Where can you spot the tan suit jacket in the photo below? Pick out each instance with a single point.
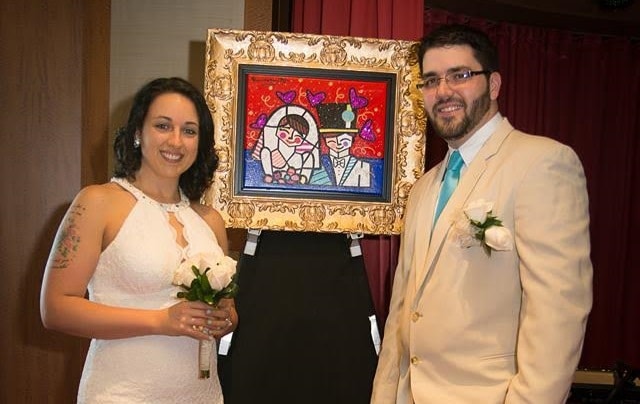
(465, 327)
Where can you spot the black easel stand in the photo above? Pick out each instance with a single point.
(304, 334)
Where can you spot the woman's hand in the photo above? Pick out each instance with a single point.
(231, 320)
(199, 320)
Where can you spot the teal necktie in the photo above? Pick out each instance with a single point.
(450, 181)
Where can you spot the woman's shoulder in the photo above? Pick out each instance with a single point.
(208, 213)
(100, 192)
(103, 196)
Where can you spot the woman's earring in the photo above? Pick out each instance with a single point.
(136, 142)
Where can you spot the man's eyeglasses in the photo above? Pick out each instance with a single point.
(453, 79)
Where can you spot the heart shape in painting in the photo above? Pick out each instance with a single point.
(287, 97)
(366, 132)
(260, 122)
(357, 101)
(315, 99)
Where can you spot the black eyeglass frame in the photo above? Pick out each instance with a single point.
(468, 74)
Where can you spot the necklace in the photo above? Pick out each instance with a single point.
(139, 194)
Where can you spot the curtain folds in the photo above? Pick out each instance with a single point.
(385, 19)
(580, 89)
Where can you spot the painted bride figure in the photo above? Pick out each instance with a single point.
(122, 242)
(288, 146)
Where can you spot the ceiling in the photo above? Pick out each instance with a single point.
(573, 15)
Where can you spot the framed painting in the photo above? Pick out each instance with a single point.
(314, 132)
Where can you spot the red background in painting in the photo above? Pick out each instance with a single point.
(261, 98)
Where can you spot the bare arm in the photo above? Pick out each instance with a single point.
(71, 264)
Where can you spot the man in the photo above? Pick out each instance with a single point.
(490, 298)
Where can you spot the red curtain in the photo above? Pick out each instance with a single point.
(385, 19)
(581, 89)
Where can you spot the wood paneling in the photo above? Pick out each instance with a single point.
(257, 15)
(52, 106)
(96, 33)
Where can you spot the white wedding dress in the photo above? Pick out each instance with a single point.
(136, 271)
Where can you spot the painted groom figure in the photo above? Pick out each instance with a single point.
(340, 167)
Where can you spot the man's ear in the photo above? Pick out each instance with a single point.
(495, 81)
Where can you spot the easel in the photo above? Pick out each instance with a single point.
(253, 235)
(305, 321)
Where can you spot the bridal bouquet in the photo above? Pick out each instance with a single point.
(206, 278)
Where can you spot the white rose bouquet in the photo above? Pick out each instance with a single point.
(476, 225)
(217, 281)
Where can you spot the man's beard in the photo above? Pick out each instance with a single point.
(449, 130)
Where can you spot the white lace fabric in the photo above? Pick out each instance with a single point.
(136, 271)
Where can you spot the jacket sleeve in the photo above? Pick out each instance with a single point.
(552, 240)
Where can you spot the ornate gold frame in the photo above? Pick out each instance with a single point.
(229, 50)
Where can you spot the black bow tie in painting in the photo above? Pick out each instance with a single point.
(338, 162)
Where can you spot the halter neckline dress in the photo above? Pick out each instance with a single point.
(136, 271)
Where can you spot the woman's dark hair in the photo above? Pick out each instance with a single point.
(197, 178)
(484, 50)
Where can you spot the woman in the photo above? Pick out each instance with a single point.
(123, 241)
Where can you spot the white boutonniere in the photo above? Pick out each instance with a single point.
(476, 225)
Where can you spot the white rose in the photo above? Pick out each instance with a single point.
(463, 233)
(499, 238)
(478, 210)
(221, 272)
(184, 274)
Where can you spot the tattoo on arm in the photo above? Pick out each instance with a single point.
(68, 240)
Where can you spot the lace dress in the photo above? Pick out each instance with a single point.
(136, 271)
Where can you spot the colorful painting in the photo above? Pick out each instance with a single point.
(314, 132)
(314, 135)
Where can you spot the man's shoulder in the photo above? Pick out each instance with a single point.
(521, 136)
(521, 143)
(526, 150)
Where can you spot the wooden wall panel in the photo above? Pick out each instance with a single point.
(257, 15)
(44, 109)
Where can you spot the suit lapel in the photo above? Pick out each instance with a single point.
(424, 220)
(458, 200)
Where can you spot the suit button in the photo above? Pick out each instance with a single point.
(415, 316)
(415, 360)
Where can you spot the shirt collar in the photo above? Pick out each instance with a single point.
(471, 147)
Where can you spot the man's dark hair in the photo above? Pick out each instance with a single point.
(197, 178)
(483, 48)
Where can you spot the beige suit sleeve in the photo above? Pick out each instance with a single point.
(552, 240)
